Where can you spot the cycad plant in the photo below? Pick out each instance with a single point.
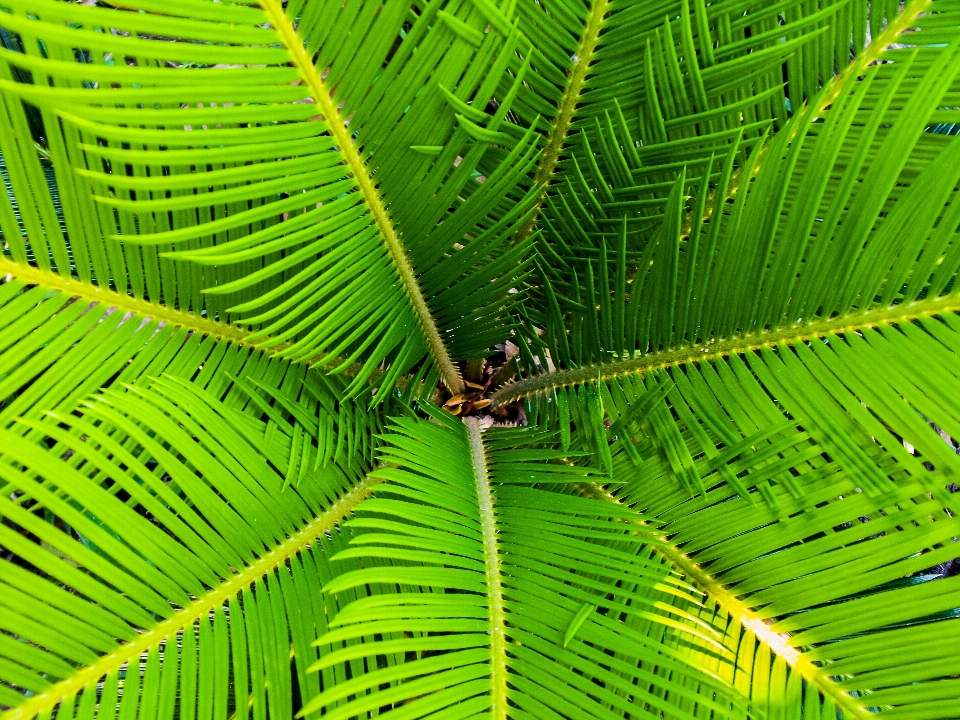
(531, 359)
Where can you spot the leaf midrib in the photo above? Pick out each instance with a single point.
(870, 54)
(498, 642)
(718, 348)
(323, 99)
(775, 642)
(572, 91)
(127, 303)
(201, 607)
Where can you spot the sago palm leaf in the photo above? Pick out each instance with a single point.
(244, 243)
(638, 91)
(717, 290)
(819, 301)
(259, 158)
(63, 340)
(294, 425)
(619, 172)
(833, 602)
(510, 597)
(196, 571)
(157, 566)
(826, 626)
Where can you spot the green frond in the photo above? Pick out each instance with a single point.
(855, 212)
(688, 60)
(813, 321)
(833, 603)
(703, 254)
(64, 339)
(155, 556)
(226, 178)
(621, 171)
(636, 91)
(507, 595)
(61, 343)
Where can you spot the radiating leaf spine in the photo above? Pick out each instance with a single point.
(498, 641)
(324, 100)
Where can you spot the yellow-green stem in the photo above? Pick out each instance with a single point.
(111, 298)
(871, 53)
(777, 643)
(568, 106)
(200, 607)
(325, 103)
(716, 349)
(498, 640)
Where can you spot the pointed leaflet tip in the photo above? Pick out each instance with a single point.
(585, 611)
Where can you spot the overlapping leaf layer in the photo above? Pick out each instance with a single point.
(251, 250)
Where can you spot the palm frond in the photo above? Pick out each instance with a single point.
(813, 320)
(819, 275)
(156, 563)
(507, 595)
(65, 339)
(245, 244)
(637, 91)
(835, 604)
(225, 178)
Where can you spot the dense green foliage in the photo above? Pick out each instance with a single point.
(453, 359)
